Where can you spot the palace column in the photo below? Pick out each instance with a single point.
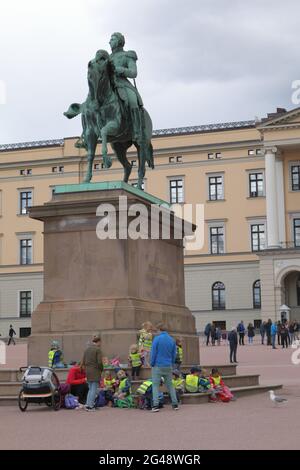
(271, 198)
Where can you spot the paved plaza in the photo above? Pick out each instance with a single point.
(251, 422)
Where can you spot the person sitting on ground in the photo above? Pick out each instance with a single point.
(179, 353)
(135, 361)
(179, 384)
(221, 390)
(108, 385)
(78, 384)
(144, 393)
(145, 341)
(192, 380)
(124, 385)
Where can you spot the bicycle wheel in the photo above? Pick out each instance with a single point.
(23, 402)
(56, 400)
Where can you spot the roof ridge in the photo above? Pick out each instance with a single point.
(158, 132)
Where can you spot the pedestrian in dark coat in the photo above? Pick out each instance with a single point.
(233, 344)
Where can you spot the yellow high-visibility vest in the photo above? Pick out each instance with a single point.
(192, 383)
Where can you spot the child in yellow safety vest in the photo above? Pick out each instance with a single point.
(192, 380)
(135, 360)
(179, 353)
(144, 393)
(221, 391)
(109, 384)
(124, 386)
(178, 383)
(145, 341)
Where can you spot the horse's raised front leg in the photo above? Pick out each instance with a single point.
(91, 141)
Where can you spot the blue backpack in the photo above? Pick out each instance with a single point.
(100, 400)
(71, 402)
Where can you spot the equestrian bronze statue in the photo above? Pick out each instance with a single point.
(113, 111)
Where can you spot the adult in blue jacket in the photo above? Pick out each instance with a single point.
(273, 334)
(162, 360)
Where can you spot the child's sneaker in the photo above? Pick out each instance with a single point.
(175, 407)
(155, 409)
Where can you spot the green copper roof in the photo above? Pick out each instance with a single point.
(108, 185)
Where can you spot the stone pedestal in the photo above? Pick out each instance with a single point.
(108, 286)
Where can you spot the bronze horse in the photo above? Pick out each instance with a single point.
(105, 118)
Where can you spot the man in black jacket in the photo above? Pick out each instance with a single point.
(11, 335)
(233, 344)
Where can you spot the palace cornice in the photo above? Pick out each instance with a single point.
(156, 133)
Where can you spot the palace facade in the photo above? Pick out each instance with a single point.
(247, 176)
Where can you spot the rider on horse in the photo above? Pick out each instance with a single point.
(124, 67)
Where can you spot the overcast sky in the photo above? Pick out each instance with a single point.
(200, 61)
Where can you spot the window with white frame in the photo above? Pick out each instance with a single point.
(176, 191)
(296, 232)
(218, 296)
(215, 188)
(25, 200)
(258, 237)
(216, 235)
(25, 303)
(25, 251)
(295, 177)
(256, 184)
(256, 292)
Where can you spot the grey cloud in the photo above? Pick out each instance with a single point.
(200, 61)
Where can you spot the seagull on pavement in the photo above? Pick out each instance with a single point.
(275, 399)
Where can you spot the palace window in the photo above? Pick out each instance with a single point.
(218, 296)
(176, 191)
(25, 303)
(258, 238)
(216, 189)
(216, 240)
(298, 291)
(296, 231)
(26, 251)
(25, 201)
(256, 184)
(295, 169)
(256, 294)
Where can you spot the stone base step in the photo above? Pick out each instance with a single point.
(187, 398)
(198, 398)
(13, 388)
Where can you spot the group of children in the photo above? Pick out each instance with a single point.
(115, 388)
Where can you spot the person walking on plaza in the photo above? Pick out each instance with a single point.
(251, 333)
(162, 360)
(233, 344)
(273, 334)
(11, 334)
(207, 332)
(268, 332)
(92, 364)
(262, 330)
(213, 334)
(241, 331)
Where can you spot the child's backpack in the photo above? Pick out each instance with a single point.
(71, 402)
(64, 389)
(126, 402)
(101, 399)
